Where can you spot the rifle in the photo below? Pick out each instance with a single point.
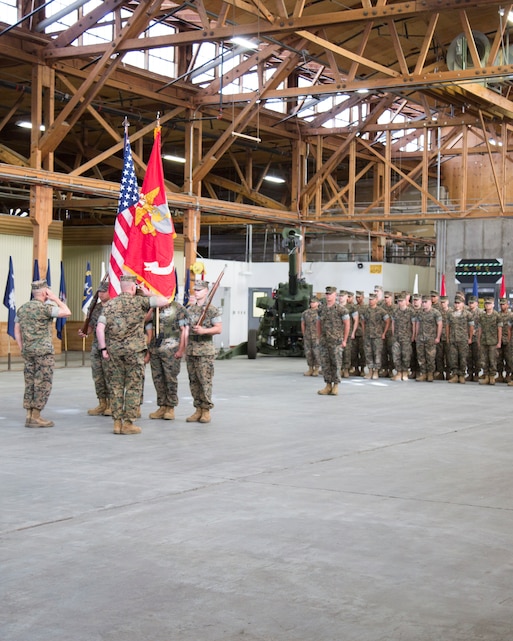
(93, 304)
(210, 297)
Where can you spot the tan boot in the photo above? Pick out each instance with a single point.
(334, 390)
(453, 379)
(397, 377)
(159, 413)
(195, 417)
(170, 414)
(375, 374)
(309, 372)
(129, 428)
(462, 380)
(405, 376)
(421, 378)
(345, 373)
(117, 426)
(430, 377)
(99, 409)
(108, 410)
(38, 421)
(491, 380)
(326, 390)
(205, 416)
(368, 375)
(315, 371)
(28, 418)
(483, 381)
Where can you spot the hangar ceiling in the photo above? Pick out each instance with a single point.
(356, 106)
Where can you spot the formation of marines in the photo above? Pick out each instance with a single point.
(416, 337)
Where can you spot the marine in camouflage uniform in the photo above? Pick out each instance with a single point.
(375, 323)
(460, 331)
(474, 358)
(504, 357)
(310, 331)
(357, 346)
(99, 366)
(414, 363)
(334, 329)
(166, 348)
(428, 330)
(402, 330)
(33, 333)
(442, 368)
(121, 340)
(347, 301)
(201, 353)
(490, 335)
(387, 356)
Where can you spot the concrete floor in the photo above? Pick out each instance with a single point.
(385, 513)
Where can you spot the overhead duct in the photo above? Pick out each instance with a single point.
(458, 54)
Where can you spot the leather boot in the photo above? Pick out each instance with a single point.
(405, 375)
(117, 426)
(38, 421)
(128, 427)
(483, 381)
(491, 380)
(453, 379)
(397, 377)
(195, 417)
(430, 377)
(345, 373)
(334, 390)
(315, 371)
(159, 413)
(170, 414)
(28, 418)
(421, 378)
(368, 375)
(108, 410)
(375, 374)
(99, 409)
(326, 390)
(462, 380)
(205, 416)
(309, 372)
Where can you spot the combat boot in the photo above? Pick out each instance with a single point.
(326, 390)
(315, 371)
(375, 374)
(117, 426)
(462, 380)
(108, 410)
(169, 414)
(37, 420)
(368, 375)
(195, 417)
(28, 418)
(345, 373)
(405, 376)
(453, 379)
(159, 413)
(99, 409)
(421, 378)
(129, 428)
(430, 377)
(491, 380)
(334, 390)
(397, 377)
(438, 376)
(309, 372)
(205, 416)
(483, 381)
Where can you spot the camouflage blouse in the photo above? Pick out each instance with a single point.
(35, 319)
(123, 318)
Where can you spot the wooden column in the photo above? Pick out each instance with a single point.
(192, 217)
(41, 213)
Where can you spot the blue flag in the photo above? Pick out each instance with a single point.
(48, 275)
(60, 322)
(475, 291)
(35, 275)
(88, 289)
(187, 287)
(9, 299)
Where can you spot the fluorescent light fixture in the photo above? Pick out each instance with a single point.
(492, 141)
(25, 124)
(245, 44)
(362, 91)
(172, 158)
(274, 179)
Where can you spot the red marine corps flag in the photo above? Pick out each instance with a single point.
(150, 253)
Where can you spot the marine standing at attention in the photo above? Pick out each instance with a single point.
(334, 323)
(33, 333)
(310, 331)
(121, 340)
(201, 352)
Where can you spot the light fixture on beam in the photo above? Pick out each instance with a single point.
(173, 158)
(246, 136)
(25, 124)
(274, 179)
(245, 44)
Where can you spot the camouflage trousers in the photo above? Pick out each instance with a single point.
(426, 355)
(357, 352)
(458, 354)
(38, 373)
(442, 357)
(311, 349)
(201, 375)
(346, 356)
(126, 375)
(387, 355)
(99, 373)
(401, 351)
(331, 361)
(373, 352)
(164, 372)
(504, 359)
(474, 359)
(489, 359)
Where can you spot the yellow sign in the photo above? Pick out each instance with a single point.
(376, 269)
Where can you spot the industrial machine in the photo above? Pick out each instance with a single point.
(279, 331)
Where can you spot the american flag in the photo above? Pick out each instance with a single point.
(128, 199)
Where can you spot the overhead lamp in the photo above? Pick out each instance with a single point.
(173, 158)
(245, 44)
(25, 124)
(362, 91)
(274, 179)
